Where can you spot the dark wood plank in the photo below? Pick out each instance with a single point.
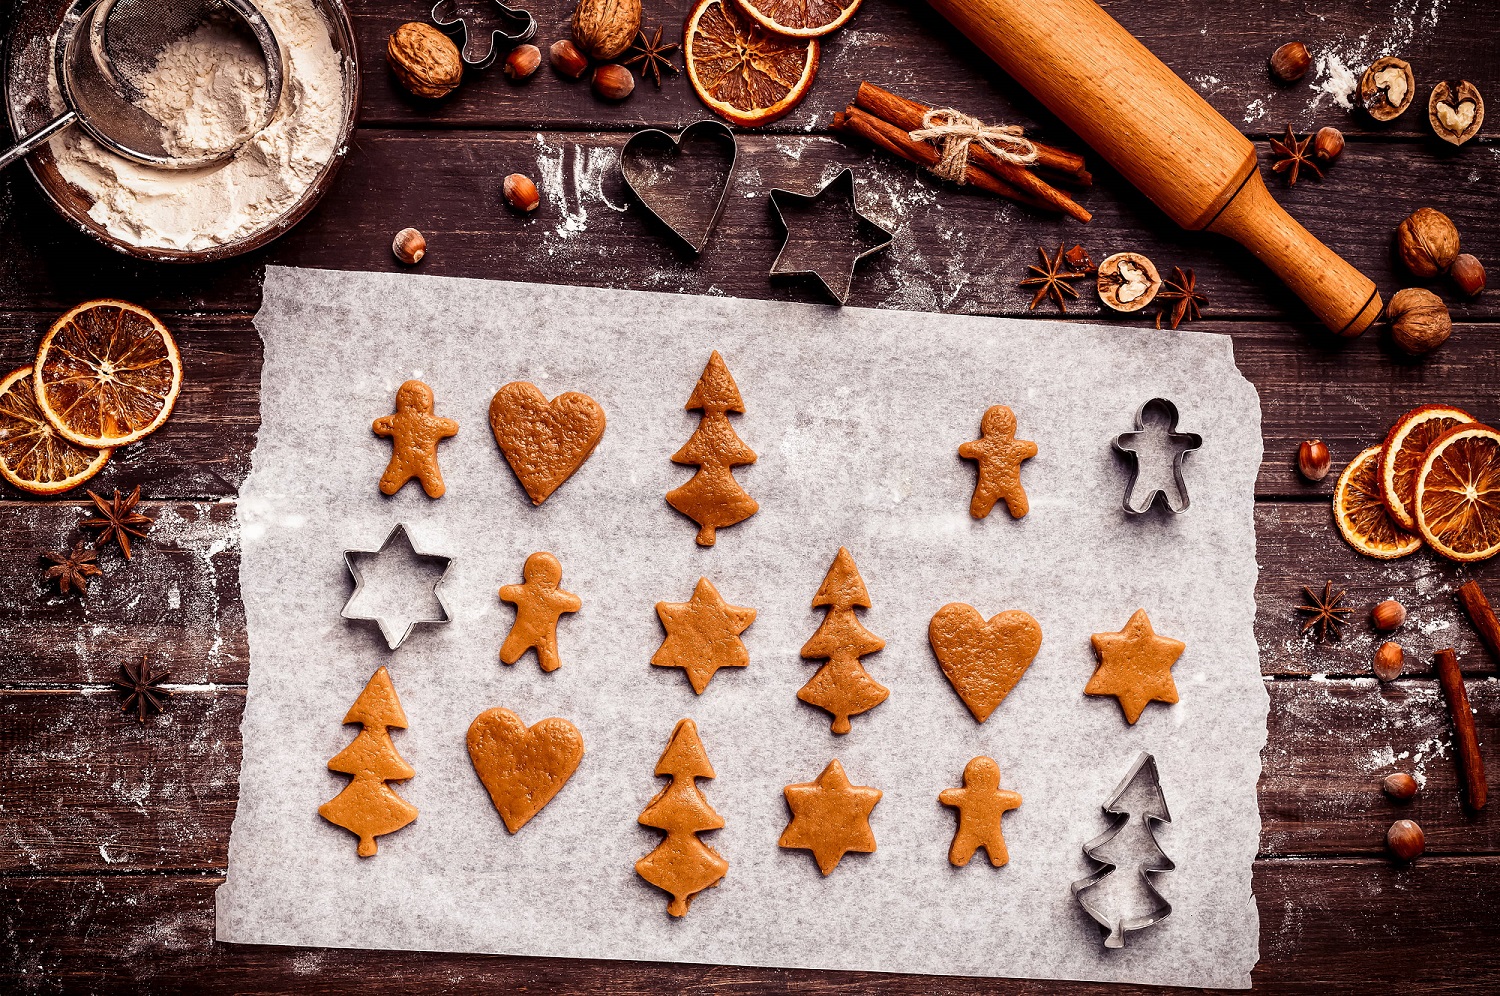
(1220, 51)
(99, 792)
(955, 250)
(1326, 926)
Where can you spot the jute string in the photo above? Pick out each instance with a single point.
(955, 130)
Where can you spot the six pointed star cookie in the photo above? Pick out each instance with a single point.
(830, 817)
(703, 634)
(1135, 666)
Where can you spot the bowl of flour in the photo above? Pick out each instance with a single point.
(211, 87)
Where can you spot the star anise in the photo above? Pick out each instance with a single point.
(73, 570)
(1052, 278)
(1180, 296)
(653, 56)
(120, 520)
(1292, 155)
(141, 690)
(1325, 610)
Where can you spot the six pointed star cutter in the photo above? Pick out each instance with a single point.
(386, 625)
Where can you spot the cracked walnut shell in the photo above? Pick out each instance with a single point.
(1455, 111)
(1128, 281)
(1386, 89)
(425, 61)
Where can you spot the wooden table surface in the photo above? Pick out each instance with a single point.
(113, 834)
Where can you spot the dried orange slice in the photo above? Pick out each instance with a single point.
(1458, 493)
(107, 374)
(1361, 514)
(33, 456)
(744, 73)
(1401, 457)
(800, 18)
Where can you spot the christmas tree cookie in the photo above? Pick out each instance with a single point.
(368, 807)
(682, 864)
(712, 497)
(841, 686)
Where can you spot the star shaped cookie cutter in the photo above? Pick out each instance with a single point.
(386, 622)
(1156, 450)
(794, 257)
(512, 26)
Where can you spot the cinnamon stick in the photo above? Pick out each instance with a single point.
(887, 136)
(1477, 608)
(906, 116)
(1470, 764)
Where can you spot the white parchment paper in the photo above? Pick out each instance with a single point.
(856, 415)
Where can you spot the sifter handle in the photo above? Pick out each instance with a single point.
(36, 138)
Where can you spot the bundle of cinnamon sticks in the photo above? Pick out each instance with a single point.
(885, 120)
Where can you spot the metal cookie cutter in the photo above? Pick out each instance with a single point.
(683, 182)
(479, 44)
(813, 239)
(395, 612)
(1139, 795)
(1157, 449)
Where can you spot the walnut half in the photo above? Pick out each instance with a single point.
(1128, 281)
(1387, 88)
(1455, 111)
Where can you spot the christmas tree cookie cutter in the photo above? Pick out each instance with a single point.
(480, 37)
(809, 245)
(1156, 451)
(1139, 794)
(388, 611)
(682, 181)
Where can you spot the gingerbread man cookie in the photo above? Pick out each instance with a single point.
(999, 454)
(980, 804)
(414, 432)
(539, 602)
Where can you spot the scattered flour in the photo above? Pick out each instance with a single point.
(199, 209)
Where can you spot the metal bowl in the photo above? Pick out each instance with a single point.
(27, 107)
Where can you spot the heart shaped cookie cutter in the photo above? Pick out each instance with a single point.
(652, 165)
(512, 27)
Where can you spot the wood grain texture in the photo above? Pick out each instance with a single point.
(1323, 924)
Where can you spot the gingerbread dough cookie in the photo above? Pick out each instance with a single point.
(1135, 666)
(830, 817)
(414, 432)
(980, 804)
(682, 864)
(983, 660)
(539, 602)
(544, 442)
(712, 497)
(368, 807)
(522, 768)
(842, 687)
(703, 635)
(999, 454)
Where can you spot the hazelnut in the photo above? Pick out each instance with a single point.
(520, 192)
(1467, 274)
(522, 61)
(1128, 281)
(1388, 615)
(1328, 145)
(1455, 111)
(1399, 785)
(425, 61)
(1419, 320)
(1290, 62)
(409, 246)
(1428, 242)
(1389, 660)
(613, 82)
(566, 59)
(1387, 88)
(1406, 840)
(1313, 459)
(605, 28)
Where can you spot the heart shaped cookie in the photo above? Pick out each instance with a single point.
(523, 768)
(544, 441)
(983, 660)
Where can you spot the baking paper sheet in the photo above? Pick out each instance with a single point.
(856, 415)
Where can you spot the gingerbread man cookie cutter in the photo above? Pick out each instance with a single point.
(1156, 451)
(390, 622)
(476, 47)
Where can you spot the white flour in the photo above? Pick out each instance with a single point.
(199, 209)
(208, 90)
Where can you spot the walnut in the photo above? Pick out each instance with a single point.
(1419, 320)
(424, 60)
(1386, 89)
(1455, 111)
(605, 28)
(1128, 281)
(1427, 242)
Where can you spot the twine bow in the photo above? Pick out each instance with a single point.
(956, 130)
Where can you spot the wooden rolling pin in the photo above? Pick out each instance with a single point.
(1163, 137)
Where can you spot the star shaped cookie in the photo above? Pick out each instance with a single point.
(703, 634)
(1135, 666)
(830, 817)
